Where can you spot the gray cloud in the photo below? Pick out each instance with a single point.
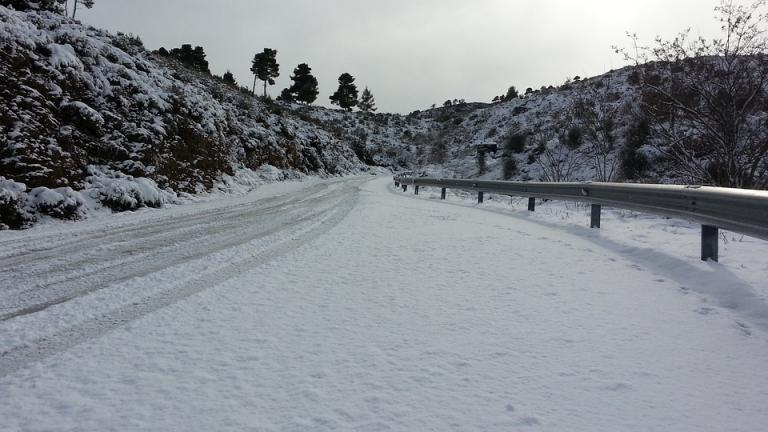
(414, 53)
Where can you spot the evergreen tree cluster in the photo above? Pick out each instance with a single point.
(265, 68)
(512, 93)
(304, 88)
(194, 58)
(58, 6)
(45, 5)
(264, 65)
(449, 103)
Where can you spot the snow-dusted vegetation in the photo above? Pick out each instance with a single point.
(92, 111)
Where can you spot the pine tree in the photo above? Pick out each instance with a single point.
(304, 87)
(286, 96)
(229, 78)
(367, 102)
(346, 95)
(87, 3)
(198, 60)
(265, 68)
(512, 93)
(193, 58)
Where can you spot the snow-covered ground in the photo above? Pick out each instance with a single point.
(348, 305)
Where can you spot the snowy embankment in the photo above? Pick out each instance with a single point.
(347, 305)
(90, 119)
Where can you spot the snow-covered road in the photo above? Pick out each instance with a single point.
(345, 305)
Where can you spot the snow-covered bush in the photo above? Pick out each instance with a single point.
(13, 214)
(122, 192)
(61, 203)
(82, 116)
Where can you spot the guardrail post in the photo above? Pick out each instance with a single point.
(442, 194)
(416, 190)
(480, 197)
(405, 187)
(531, 204)
(595, 218)
(709, 245)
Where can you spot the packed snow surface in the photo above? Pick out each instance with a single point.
(350, 305)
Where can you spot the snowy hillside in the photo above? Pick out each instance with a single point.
(87, 115)
(588, 129)
(538, 123)
(443, 141)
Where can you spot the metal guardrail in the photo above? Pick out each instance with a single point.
(740, 210)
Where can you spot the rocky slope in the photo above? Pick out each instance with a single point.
(87, 114)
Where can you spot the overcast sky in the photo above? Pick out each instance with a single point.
(410, 53)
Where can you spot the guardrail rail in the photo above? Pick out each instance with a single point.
(739, 210)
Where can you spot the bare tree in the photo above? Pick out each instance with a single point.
(558, 159)
(438, 151)
(707, 99)
(595, 114)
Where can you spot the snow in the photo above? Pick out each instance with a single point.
(245, 180)
(353, 306)
(641, 237)
(10, 190)
(46, 196)
(63, 202)
(64, 56)
(13, 208)
(85, 112)
(126, 192)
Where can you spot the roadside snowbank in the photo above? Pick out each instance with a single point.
(737, 282)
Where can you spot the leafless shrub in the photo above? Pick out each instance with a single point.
(708, 99)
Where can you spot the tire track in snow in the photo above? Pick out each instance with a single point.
(37, 298)
(33, 295)
(292, 234)
(184, 215)
(51, 244)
